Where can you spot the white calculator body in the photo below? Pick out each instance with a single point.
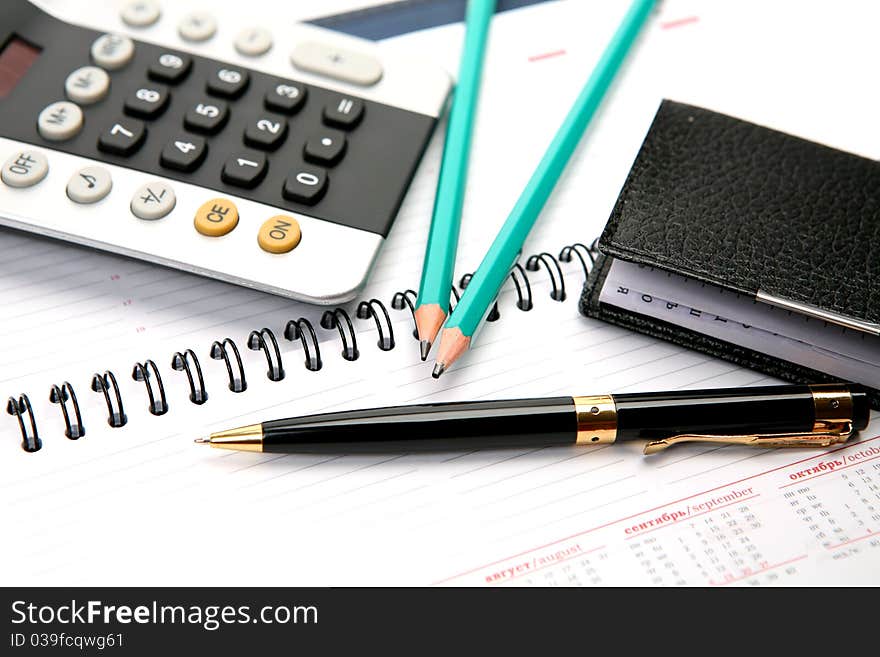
(271, 156)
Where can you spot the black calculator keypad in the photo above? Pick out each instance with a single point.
(266, 132)
(206, 116)
(228, 82)
(184, 152)
(179, 116)
(245, 169)
(306, 185)
(344, 112)
(147, 101)
(124, 136)
(325, 147)
(170, 68)
(285, 97)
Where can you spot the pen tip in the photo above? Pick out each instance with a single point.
(424, 348)
(439, 368)
(203, 441)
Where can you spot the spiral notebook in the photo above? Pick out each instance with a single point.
(137, 503)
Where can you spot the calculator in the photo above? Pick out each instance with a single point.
(277, 161)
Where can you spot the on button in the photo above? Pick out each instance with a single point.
(280, 234)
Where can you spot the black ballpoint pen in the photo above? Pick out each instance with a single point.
(772, 416)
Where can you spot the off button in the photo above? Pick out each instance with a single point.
(216, 218)
(280, 234)
(24, 169)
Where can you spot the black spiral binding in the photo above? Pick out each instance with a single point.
(367, 309)
(220, 351)
(147, 372)
(61, 395)
(30, 440)
(340, 320)
(260, 340)
(103, 383)
(457, 295)
(301, 329)
(407, 299)
(264, 340)
(552, 265)
(185, 362)
(580, 250)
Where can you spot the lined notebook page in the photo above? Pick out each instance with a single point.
(142, 505)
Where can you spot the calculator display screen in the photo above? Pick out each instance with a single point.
(15, 59)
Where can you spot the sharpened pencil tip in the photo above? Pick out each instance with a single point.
(203, 441)
(424, 348)
(439, 368)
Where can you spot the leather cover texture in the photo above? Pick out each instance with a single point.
(745, 207)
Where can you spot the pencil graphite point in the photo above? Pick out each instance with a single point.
(439, 368)
(453, 343)
(203, 441)
(429, 318)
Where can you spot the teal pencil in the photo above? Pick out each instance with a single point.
(437, 270)
(496, 264)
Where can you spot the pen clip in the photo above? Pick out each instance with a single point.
(823, 434)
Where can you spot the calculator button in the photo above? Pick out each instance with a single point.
(184, 153)
(123, 137)
(198, 26)
(228, 82)
(147, 102)
(87, 85)
(245, 169)
(344, 113)
(112, 51)
(24, 169)
(338, 63)
(170, 67)
(217, 217)
(305, 185)
(253, 41)
(140, 13)
(60, 121)
(153, 201)
(206, 117)
(285, 97)
(266, 132)
(325, 147)
(280, 234)
(89, 185)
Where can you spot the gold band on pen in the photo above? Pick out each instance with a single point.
(596, 419)
(833, 404)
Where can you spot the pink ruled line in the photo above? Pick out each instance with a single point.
(547, 55)
(668, 25)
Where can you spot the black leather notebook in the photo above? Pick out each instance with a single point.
(749, 244)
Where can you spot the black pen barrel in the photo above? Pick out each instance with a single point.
(815, 414)
(771, 409)
(447, 426)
